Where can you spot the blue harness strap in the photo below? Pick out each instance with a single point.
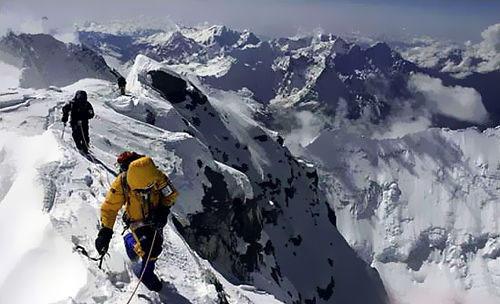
(130, 244)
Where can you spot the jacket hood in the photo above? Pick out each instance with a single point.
(142, 173)
(80, 96)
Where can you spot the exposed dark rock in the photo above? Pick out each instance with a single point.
(261, 138)
(327, 292)
(296, 240)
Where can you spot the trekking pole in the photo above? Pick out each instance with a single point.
(85, 141)
(101, 259)
(64, 128)
(145, 266)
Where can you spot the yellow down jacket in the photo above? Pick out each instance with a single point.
(141, 174)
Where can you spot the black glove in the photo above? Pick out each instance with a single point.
(103, 239)
(160, 217)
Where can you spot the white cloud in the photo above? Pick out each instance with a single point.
(31, 26)
(481, 57)
(491, 39)
(458, 102)
(25, 23)
(400, 128)
(489, 49)
(427, 52)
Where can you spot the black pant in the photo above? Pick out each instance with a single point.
(81, 135)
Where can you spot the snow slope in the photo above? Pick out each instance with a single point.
(422, 209)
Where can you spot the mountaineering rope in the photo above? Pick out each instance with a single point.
(145, 266)
(89, 154)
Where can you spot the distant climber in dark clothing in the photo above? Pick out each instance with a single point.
(80, 111)
(121, 84)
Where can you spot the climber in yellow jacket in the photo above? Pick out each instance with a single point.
(147, 195)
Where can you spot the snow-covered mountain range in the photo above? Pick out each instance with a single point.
(274, 145)
(304, 73)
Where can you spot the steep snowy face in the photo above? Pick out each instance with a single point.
(422, 209)
(45, 61)
(261, 227)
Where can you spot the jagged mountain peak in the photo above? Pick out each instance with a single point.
(340, 46)
(216, 34)
(381, 48)
(382, 55)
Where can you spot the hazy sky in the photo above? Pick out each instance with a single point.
(457, 20)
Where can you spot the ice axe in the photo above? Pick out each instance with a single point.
(83, 251)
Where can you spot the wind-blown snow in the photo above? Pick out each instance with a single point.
(9, 76)
(309, 126)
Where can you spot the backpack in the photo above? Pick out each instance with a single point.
(124, 159)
